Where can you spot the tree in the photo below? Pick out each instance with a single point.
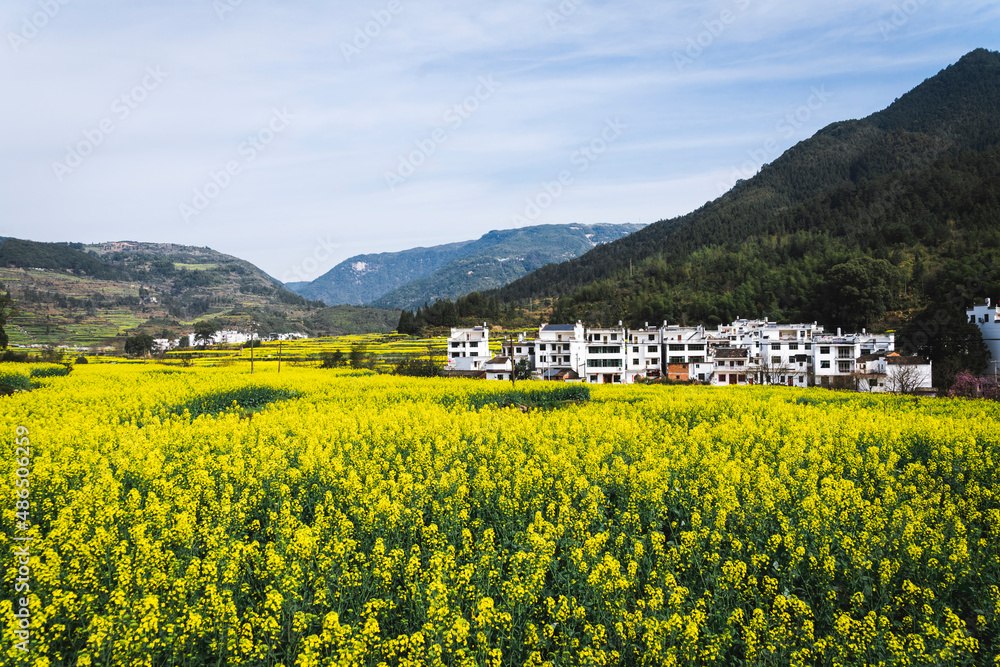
(7, 311)
(204, 331)
(359, 356)
(904, 378)
(858, 293)
(522, 370)
(332, 359)
(139, 345)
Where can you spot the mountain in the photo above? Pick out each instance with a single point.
(501, 257)
(865, 221)
(72, 293)
(365, 278)
(409, 278)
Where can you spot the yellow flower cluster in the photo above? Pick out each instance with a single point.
(203, 516)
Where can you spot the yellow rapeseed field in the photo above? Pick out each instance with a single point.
(203, 516)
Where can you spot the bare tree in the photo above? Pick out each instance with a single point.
(767, 371)
(906, 379)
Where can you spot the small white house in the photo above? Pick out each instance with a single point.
(499, 368)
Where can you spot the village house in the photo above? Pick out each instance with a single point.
(560, 351)
(987, 318)
(468, 349)
(499, 368)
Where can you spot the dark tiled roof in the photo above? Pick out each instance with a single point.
(730, 353)
(906, 361)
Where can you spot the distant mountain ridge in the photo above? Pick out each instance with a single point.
(408, 278)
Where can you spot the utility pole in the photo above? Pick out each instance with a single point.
(251, 343)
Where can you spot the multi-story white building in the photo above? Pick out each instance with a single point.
(731, 366)
(606, 355)
(469, 349)
(560, 351)
(643, 354)
(835, 358)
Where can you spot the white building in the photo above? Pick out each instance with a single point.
(731, 366)
(468, 349)
(835, 358)
(987, 318)
(520, 348)
(606, 355)
(643, 354)
(499, 368)
(560, 351)
(881, 373)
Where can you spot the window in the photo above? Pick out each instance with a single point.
(775, 361)
(676, 360)
(614, 336)
(455, 344)
(696, 360)
(541, 359)
(652, 349)
(676, 348)
(593, 378)
(793, 346)
(701, 377)
(541, 347)
(824, 350)
(844, 366)
(611, 349)
(809, 346)
(824, 364)
(635, 362)
(474, 344)
(518, 350)
(635, 350)
(603, 363)
(776, 346)
(455, 355)
(652, 336)
(845, 352)
(696, 348)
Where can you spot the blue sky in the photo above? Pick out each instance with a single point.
(297, 134)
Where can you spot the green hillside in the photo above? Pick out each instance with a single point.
(69, 293)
